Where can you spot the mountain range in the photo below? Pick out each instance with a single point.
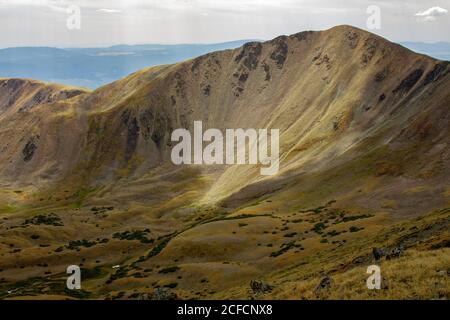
(438, 50)
(94, 67)
(86, 177)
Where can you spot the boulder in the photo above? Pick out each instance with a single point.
(163, 294)
(260, 287)
(324, 284)
(378, 253)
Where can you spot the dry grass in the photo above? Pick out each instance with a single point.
(417, 275)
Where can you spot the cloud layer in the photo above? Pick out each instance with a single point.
(108, 22)
(104, 10)
(432, 13)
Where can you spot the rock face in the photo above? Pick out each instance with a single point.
(20, 95)
(389, 253)
(395, 252)
(260, 287)
(29, 149)
(163, 294)
(324, 284)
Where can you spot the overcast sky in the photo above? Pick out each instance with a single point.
(108, 22)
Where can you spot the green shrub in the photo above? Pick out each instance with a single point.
(355, 229)
(133, 235)
(319, 227)
(169, 270)
(50, 220)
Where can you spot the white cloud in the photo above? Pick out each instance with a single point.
(108, 22)
(432, 13)
(104, 10)
(55, 5)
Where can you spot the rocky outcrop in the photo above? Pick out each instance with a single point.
(260, 287)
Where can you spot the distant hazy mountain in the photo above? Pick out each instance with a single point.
(439, 50)
(93, 67)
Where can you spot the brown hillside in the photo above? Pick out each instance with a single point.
(364, 144)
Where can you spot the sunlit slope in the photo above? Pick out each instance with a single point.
(335, 96)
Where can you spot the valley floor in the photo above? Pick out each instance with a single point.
(198, 252)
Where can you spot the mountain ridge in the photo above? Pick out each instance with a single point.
(364, 140)
(131, 87)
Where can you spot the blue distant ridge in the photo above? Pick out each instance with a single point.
(94, 67)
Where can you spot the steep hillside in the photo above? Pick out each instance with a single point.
(86, 177)
(25, 129)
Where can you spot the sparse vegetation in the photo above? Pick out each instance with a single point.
(285, 248)
(169, 270)
(121, 272)
(76, 244)
(319, 227)
(158, 248)
(50, 219)
(171, 285)
(134, 235)
(290, 235)
(354, 218)
(355, 229)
